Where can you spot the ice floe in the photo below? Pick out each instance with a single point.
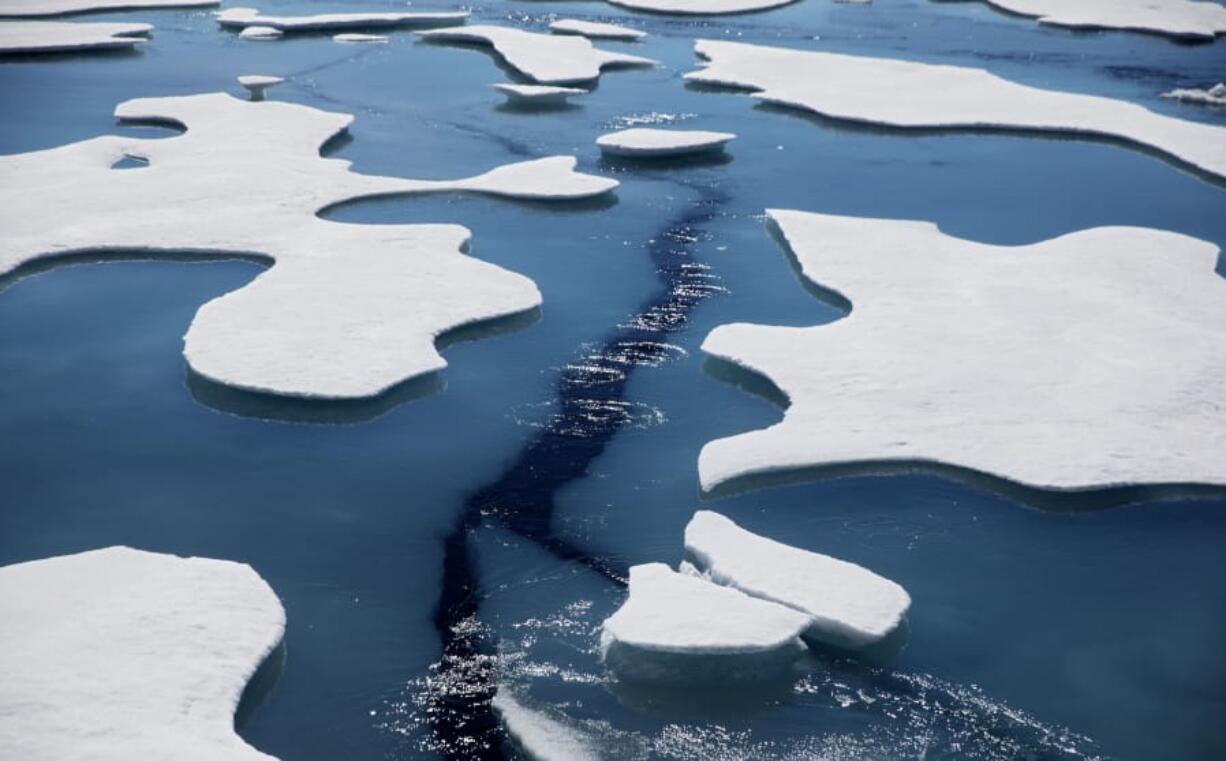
(644, 142)
(544, 58)
(256, 84)
(248, 17)
(700, 7)
(676, 627)
(540, 736)
(1214, 96)
(123, 654)
(595, 30)
(849, 606)
(22, 37)
(358, 37)
(1094, 359)
(260, 33)
(35, 8)
(904, 94)
(537, 95)
(348, 310)
(1191, 19)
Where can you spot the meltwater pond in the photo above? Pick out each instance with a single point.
(430, 547)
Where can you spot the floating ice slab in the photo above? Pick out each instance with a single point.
(544, 58)
(348, 310)
(595, 30)
(537, 95)
(700, 7)
(35, 8)
(904, 94)
(123, 654)
(256, 84)
(1094, 359)
(1176, 18)
(848, 606)
(540, 736)
(676, 627)
(260, 33)
(23, 37)
(644, 142)
(1214, 96)
(247, 17)
(355, 37)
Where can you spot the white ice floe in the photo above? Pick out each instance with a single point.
(677, 627)
(119, 654)
(1190, 19)
(1090, 360)
(248, 17)
(358, 37)
(260, 33)
(644, 142)
(1214, 96)
(595, 30)
(348, 310)
(544, 58)
(256, 84)
(904, 94)
(700, 7)
(848, 606)
(35, 8)
(537, 95)
(540, 736)
(20, 37)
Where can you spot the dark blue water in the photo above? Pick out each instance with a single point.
(1034, 633)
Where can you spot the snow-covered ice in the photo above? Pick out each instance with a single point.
(595, 30)
(537, 95)
(123, 654)
(260, 33)
(544, 58)
(35, 8)
(1189, 19)
(700, 7)
(348, 310)
(899, 93)
(540, 736)
(359, 37)
(848, 606)
(678, 627)
(1094, 359)
(248, 17)
(68, 37)
(1213, 96)
(646, 142)
(256, 84)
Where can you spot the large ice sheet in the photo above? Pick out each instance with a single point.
(904, 94)
(347, 311)
(1090, 360)
(1189, 19)
(36, 8)
(68, 37)
(241, 18)
(123, 654)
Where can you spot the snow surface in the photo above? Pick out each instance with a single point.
(123, 654)
(1094, 359)
(1214, 96)
(544, 58)
(348, 310)
(68, 37)
(356, 37)
(848, 606)
(700, 7)
(539, 95)
(256, 84)
(34, 8)
(539, 735)
(1176, 18)
(904, 94)
(596, 30)
(677, 627)
(650, 142)
(247, 17)
(260, 33)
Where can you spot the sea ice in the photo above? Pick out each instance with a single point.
(538, 735)
(1094, 359)
(905, 94)
(544, 58)
(123, 654)
(1214, 96)
(700, 7)
(256, 84)
(537, 95)
(1176, 18)
(248, 17)
(68, 37)
(34, 8)
(260, 33)
(595, 30)
(644, 142)
(348, 310)
(357, 37)
(848, 606)
(677, 627)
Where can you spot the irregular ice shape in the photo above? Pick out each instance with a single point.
(1187, 19)
(595, 30)
(537, 95)
(544, 58)
(35, 8)
(256, 84)
(1214, 96)
(68, 37)
(348, 311)
(1094, 359)
(848, 606)
(260, 33)
(123, 654)
(904, 94)
(644, 142)
(700, 7)
(676, 627)
(355, 37)
(248, 17)
(540, 736)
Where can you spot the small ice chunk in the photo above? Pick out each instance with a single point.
(248, 17)
(1214, 96)
(537, 95)
(700, 7)
(26, 37)
(645, 142)
(596, 31)
(676, 627)
(260, 33)
(540, 736)
(356, 37)
(848, 606)
(256, 84)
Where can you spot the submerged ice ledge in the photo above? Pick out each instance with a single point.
(26, 37)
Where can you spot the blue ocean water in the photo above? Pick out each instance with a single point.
(1035, 632)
